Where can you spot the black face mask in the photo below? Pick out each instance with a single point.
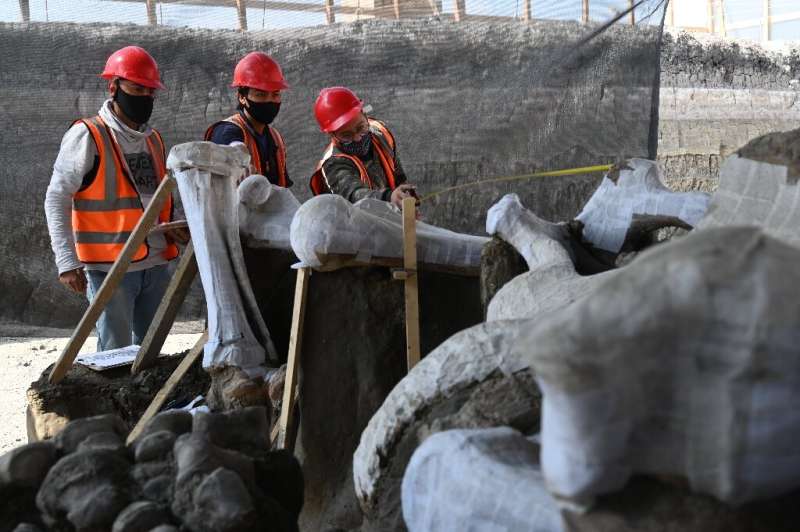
(264, 112)
(137, 108)
(358, 147)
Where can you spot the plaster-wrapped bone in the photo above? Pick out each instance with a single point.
(478, 480)
(206, 174)
(328, 226)
(265, 213)
(760, 185)
(552, 282)
(685, 364)
(635, 189)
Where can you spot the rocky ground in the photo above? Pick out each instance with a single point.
(25, 352)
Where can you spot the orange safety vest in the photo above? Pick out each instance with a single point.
(384, 147)
(252, 145)
(105, 213)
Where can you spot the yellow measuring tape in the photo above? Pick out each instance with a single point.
(550, 173)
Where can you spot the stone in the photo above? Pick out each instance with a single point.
(220, 503)
(139, 516)
(159, 489)
(245, 430)
(27, 465)
(87, 489)
(154, 446)
(103, 440)
(175, 421)
(78, 430)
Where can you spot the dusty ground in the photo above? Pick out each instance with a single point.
(26, 351)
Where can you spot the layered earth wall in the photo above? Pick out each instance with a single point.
(466, 102)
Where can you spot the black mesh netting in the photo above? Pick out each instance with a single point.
(489, 95)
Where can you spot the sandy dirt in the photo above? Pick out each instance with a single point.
(26, 351)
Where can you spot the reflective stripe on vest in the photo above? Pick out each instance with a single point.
(384, 146)
(106, 212)
(252, 145)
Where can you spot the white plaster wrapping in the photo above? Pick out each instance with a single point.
(639, 189)
(478, 480)
(206, 174)
(265, 213)
(331, 225)
(756, 193)
(684, 364)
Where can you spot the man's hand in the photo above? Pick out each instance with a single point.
(402, 192)
(75, 280)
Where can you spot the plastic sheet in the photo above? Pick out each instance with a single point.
(327, 226)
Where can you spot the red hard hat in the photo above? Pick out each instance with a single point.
(135, 64)
(259, 71)
(335, 107)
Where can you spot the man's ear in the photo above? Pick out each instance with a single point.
(113, 86)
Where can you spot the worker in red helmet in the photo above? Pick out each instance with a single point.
(361, 159)
(259, 82)
(106, 173)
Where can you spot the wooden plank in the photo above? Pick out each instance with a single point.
(585, 12)
(766, 24)
(286, 432)
(757, 22)
(165, 314)
(396, 7)
(632, 14)
(411, 282)
(278, 5)
(527, 15)
(173, 380)
(723, 30)
(330, 15)
(670, 22)
(112, 280)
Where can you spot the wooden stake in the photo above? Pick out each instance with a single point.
(632, 14)
(25, 10)
(286, 432)
(585, 11)
(330, 15)
(151, 13)
(241, 10)
(112, 280)
(173, 380)
(167, 310)
(461, 10)
(411, 281)
(526, 10)
(766, 25)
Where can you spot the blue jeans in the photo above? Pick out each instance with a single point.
(128, 314)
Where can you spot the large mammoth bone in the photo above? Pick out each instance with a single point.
(328, 228)
(206, 175)
(265, 213)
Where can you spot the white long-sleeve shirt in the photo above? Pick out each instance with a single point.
(75, 159)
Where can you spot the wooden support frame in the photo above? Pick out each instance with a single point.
(173, 380)
(112, 280)
(411, 280)
(174, 296)
(286, 432)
